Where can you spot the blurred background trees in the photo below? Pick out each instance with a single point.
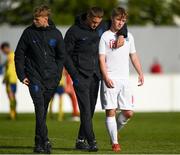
(19, 12)
(155, 12)
(141, 12)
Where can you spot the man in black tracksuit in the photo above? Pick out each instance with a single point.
(39, 59)
(81, 42)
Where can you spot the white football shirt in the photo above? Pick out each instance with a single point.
(117, 59)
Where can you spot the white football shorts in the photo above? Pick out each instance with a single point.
(119, 97)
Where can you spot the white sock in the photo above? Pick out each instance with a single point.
(112, 129)
(121, 121)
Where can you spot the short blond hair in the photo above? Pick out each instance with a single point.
(42, 11)
(119, 11)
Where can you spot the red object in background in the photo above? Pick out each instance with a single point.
(156, 68)
(70, 90)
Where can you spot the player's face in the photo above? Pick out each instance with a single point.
(93, 22)
(118, 22)
(5, 50)
(40, 21)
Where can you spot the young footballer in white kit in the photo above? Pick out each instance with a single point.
(115, 89)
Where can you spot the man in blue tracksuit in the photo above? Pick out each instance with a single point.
(39, 59)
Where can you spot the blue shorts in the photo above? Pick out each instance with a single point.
(11, 87)
(60, 90)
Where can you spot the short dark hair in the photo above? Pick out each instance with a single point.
(42, 10)
(5, 44)
(119, 11)
(95, 12)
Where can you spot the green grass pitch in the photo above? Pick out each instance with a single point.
(146, 133)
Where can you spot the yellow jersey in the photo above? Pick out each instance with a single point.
(62, 82)
(10, 73)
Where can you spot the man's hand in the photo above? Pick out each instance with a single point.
(26, 81)
(109, 83)
(119, 42)
(141, 80)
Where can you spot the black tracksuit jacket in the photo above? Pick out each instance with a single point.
(82, 44)
(40, 55)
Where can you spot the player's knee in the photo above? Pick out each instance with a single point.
(128, 114)
(110, 112)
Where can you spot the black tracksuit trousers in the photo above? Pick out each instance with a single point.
(87, 92)
(41, 97)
